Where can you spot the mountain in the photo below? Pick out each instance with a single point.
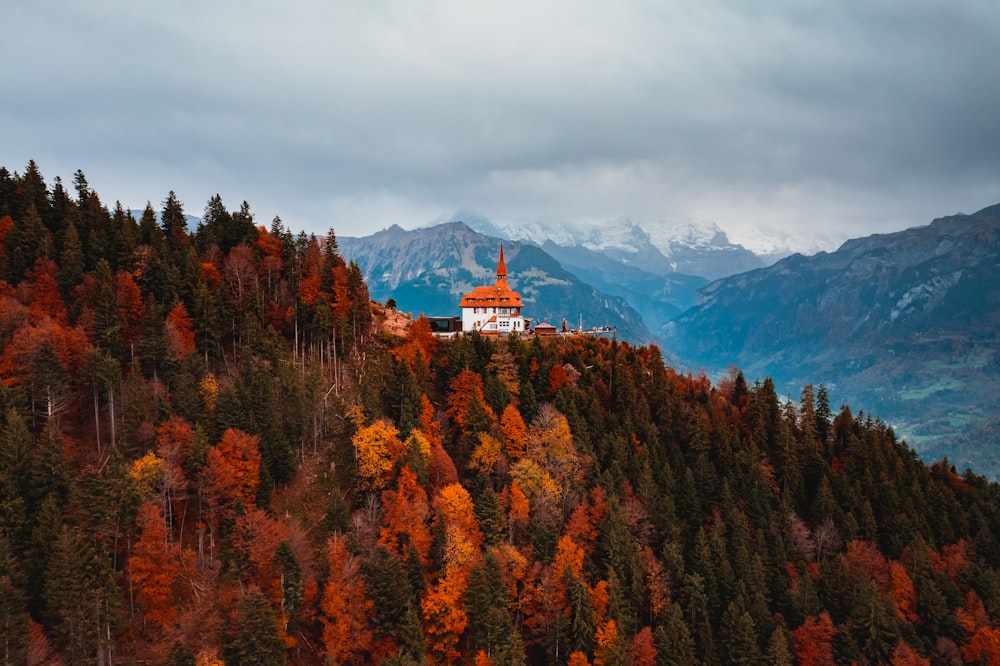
(656, 271)
(905, 323)
(657, 298)
(660, 248)
(236, 457)
(427, 270)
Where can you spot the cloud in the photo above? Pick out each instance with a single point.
(846, 118)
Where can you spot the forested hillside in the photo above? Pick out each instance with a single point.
(210, 453)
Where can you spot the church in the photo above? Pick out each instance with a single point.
(494, 310)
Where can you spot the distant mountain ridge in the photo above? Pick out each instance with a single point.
(427, 270)
(660, 248)
(656, 268)
(905, 323)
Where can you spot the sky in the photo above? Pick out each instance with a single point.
(788, 118)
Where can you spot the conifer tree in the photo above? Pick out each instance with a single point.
(256, 641)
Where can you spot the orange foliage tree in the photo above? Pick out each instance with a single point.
(346, 608)
(417, 348)
(233, 471)
(180, 331)
(607, 643)
(153, 567)
(467, 403)
(814, 641)
(513, 432)
(444, 617)
(406, 518)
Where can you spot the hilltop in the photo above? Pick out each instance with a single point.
(213, 451)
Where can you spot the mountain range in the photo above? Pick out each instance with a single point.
(689, 248)
(904, 324)
(427, 271)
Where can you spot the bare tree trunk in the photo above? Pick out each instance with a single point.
(111, 408)
(97, 420)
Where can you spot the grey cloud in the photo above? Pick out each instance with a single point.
(394, 111)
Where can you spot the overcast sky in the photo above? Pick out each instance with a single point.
(809, 118)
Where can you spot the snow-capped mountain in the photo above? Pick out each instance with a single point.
(659, 247)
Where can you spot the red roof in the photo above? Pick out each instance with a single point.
(498, 296)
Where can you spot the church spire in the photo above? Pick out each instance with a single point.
(502, 266)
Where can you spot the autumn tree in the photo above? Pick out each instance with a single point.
(346, 607)
(233, 472)
(407, 514)
(513, 432)
(814, 641)
(377, 448)
(153, 567)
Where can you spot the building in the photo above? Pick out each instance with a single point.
(494, 310)
(545, 329)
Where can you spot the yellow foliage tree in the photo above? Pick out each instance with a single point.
(146, 472)
(487, 454)
(378, 448)
(417, 441)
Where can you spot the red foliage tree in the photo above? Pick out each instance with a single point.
(643, 648)
(131, 308)
(406, 518)
(153, 567)
(814, 641)
(180, 331)
(256, 537)
(233, 471)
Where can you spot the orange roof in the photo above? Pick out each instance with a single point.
(497, 296)
(500, 296)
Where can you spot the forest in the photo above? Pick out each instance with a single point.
(211, 452)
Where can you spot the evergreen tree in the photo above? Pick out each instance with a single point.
(27, 242)
(180, 655)
(81, 598)
(256, 641)
(739, 640)
(674, 644)
(71, 260)
(486, 599)
(13, 609)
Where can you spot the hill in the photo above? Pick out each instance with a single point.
(904, 323)
(214, 449)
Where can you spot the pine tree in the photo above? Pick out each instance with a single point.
(674, 644)
(82, 598)
(14, 616)
(738, 637)
(71, 260)
(486, 600)
(256, 641)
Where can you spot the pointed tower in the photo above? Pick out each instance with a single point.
(502, 273)
(502, 266)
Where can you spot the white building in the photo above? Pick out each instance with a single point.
(493, 310)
